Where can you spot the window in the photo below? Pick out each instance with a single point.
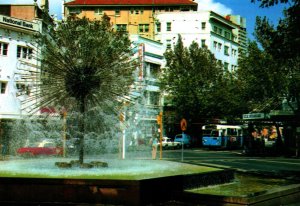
(227, 35)
(74, 10)
(2, 87)
(169, 9)
(3, 48)
(215, 45)
(226, 50)
(215, 29)
(203, 43)
(220, 31)
(158, 27)
(137, 11)
(24, 52)
(154, 98)
(121, 27)
(117, 12)
(203, 25)
(169, 26)
(185, 8)
(143, 28)
(168, 45)
(99, 11)
(226, 65)
(219, 46)
(233, 52)
(154, 70)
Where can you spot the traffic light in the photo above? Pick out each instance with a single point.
(159, 118)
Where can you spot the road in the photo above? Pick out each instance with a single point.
(270, 166)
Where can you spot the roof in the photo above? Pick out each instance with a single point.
(131, 2)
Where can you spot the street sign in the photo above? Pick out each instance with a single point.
(183, 124)
(254, 116)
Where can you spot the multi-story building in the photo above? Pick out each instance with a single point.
(162, 21)
(18, 49)
(241, 32)
(134, 16)
(146, 86)
(207, 28)
(137, 18)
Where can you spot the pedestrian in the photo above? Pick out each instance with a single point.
(153, 142)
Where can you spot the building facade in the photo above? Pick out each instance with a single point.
(17, 51)
(146, 91)
(134, 16)
(241, 32)
(207, 28)
(18, 60)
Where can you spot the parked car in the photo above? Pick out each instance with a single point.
(167, 143)
(186, 140)
(45, 147)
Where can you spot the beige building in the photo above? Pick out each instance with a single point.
(134, 16)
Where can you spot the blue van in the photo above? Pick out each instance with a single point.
(187, 140)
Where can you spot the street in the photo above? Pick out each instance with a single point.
(270, 166)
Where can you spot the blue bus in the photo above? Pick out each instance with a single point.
(222, 136)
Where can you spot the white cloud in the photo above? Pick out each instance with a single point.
(211, 5)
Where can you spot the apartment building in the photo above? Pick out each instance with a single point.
(207, 28)
(134, 16)
(18, 65)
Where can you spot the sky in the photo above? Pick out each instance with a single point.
(243, 8)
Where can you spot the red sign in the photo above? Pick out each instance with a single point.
(183, 124)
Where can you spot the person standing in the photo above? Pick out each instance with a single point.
(154, 143)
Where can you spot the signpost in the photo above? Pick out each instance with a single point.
(183, 126)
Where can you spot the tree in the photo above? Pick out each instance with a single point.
(261, 86)
(283, 43)
(267, 3)
(84, 64)
(196, 82)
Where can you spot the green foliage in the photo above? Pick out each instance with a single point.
(268, 3)
(282, 43)
(259, 81)
(196, 82)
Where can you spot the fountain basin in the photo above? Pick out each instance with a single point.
(247, 190)
(135, 182)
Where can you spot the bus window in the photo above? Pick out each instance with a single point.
(214, 133)
(206, 132)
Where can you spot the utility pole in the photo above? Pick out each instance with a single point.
(159, 122)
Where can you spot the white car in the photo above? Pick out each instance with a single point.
(167, 143)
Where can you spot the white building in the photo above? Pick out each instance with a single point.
(146, 87)
(207, 28)
(17, 48)
(19, 24)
